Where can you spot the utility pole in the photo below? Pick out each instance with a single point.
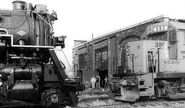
(93, 55)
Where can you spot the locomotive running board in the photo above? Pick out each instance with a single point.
(10, 38)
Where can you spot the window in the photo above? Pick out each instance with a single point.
(104, 60)
(82, 61)
(181, 36)
(158, 36)
(172, 36)
(101, 58)
(98, 60)
(104, 56)
(172, 44)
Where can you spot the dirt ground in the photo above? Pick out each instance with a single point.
(92, 98)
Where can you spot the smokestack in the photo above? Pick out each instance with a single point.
(19, 5)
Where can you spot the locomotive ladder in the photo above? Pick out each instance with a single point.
(70, 85)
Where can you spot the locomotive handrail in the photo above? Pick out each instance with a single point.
(60, 73)
(24, 46)
(43, 20)
(29, 46)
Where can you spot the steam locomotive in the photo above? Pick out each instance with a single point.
(29, 67)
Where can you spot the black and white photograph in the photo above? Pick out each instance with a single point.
(92, 54)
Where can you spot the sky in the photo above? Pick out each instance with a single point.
(79, 19)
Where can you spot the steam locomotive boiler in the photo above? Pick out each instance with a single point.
(29, 67)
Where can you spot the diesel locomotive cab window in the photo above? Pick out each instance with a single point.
(182, 35)
(158, 36)
(172, 37)
(172, 44)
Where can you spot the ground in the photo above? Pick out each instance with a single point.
(100, 98)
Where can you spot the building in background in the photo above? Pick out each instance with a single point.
(105, 53)
(74, 55)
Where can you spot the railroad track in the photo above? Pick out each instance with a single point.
(21, 104)
(93, 98)
(109, 103)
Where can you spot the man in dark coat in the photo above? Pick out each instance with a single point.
(103, 75)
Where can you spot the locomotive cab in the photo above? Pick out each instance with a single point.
(174, 33)
(142, 56)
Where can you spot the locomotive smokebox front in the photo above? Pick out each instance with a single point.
(20, 25)
(25, 24)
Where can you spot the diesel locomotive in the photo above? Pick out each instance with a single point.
(154, 65)
(29, 67)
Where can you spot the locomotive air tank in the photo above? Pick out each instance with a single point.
(29, 67)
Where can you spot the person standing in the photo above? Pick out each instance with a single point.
(93, 82)
(103, 75)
